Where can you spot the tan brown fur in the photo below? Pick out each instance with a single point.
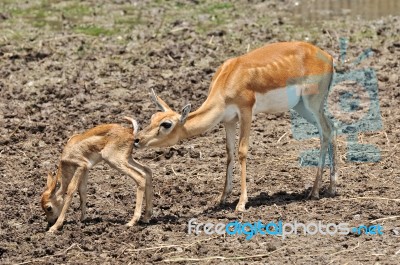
(246, 85)
(109, 142)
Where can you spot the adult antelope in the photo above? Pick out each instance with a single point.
(273, 78)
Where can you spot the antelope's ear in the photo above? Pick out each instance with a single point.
(185, 113)
(161, 105)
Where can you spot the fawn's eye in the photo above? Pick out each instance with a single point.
(166, 124)
(48, 208)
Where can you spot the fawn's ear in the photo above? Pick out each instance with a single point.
(49, 180)
(161, 105)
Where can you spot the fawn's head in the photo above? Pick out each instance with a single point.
(165, 127)
(51, 205)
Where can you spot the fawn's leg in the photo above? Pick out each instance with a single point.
(83, 195)
(80, 171)
(121, 163)
(147, 174)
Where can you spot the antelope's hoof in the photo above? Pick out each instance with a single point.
(221, 200)
(241, 207)
(133, 222)
(83, 218)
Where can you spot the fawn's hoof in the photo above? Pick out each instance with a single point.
(313, 196)
(146, 219)
(131, 224)
(52, 230)
(331, 192)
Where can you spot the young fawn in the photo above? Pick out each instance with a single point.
(109, 142)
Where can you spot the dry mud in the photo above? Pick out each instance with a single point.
(58, 79)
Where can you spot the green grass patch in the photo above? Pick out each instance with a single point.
(212, 8)
(76, 10)
(94, 30)
(130, 19)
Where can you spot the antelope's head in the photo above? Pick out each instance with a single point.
(165, 127)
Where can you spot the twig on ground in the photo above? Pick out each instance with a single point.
(30, 261)
(319, 254)
(178, 259)
(211, 39)
(173, 170)
(367, 198)
(346, 250)
(171, 246)
(156, 157)
(16, 129)
(387, 138)
(68, 249)
(62, 37)
(171, 59)
(49, 256)
(280, 138)
(385, 218)
(178, 29)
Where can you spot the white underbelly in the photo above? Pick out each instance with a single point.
(277, 100)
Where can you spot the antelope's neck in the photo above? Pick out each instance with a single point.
(209, 114)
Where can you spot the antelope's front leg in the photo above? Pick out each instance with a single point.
(230, 129)
(245, 124)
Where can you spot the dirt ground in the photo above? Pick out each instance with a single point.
(66, 66)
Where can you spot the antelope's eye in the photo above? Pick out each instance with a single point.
(48, 208)
(166, 124)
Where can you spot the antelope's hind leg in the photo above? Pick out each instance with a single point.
(332, 151)
(314, 103)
